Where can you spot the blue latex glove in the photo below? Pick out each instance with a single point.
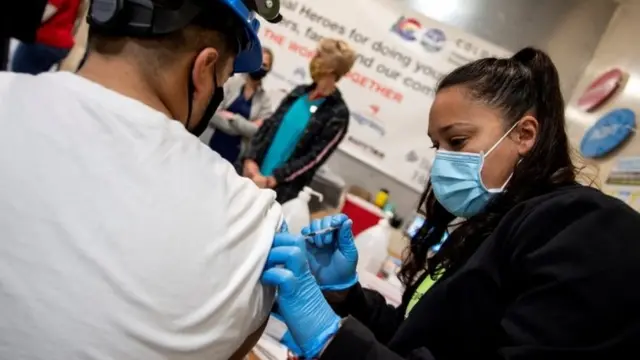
(287, 339)
(310, 319)
(332, 256)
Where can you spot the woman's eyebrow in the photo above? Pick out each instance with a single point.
(452, 126)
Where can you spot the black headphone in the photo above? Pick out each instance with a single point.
(268, 9)
(143, 18)
(140, 17)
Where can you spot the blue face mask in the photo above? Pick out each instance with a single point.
(457, 183)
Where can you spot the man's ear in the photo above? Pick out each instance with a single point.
(203, 69)
(525, 134)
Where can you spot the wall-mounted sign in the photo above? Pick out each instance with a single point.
(601, 90)
(608, 133)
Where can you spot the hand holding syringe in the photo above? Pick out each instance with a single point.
(313, 234)
(331, 252)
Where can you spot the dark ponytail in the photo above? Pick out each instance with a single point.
(549, 105)
(545, 80)
(525, 84)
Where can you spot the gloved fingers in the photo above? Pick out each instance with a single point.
(345, 234)
(286, 239)
(278, 277)
(287, 340)
(326, 238)
(313, 262)
(292, 257)
(338, 220)
(316, 225)
(346, 243)
(284, 228)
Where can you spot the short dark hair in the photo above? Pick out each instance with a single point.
(526, 83)
(216, 26)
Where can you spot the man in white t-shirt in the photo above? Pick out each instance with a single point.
(123, 236)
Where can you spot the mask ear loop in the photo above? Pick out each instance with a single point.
(502, 138)
(500, 189)
(191, 88)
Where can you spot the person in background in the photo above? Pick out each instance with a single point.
(80, 36)
(541, 267)
(20, 21)
(115, 244)
(54, 38)
(306, 127)
(244, 108)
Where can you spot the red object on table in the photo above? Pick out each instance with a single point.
(363, 213)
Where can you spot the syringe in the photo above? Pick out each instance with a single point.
(320, 232)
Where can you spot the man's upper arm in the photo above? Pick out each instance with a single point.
(254, 216)
(203, 263)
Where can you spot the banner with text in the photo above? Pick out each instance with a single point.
(401, 57)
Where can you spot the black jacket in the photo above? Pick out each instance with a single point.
(326, 129)
(557, 279)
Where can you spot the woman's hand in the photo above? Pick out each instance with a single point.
(311, 321)
(332, 256)
(261, 181)
(287, 339)
(271, 182)
(250, 168)
(227, 115)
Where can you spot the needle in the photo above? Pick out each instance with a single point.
(320, 232)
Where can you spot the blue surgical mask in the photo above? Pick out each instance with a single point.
(457, 183)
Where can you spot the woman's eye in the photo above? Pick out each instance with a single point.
(457, 143)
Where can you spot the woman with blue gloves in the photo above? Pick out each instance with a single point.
(540, 267)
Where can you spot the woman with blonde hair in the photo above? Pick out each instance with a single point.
(306, 127)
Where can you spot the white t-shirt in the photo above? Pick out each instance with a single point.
(122, 235)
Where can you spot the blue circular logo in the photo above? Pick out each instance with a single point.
(433, 40)
(608, 133)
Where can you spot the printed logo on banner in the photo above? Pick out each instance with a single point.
(366, 147)
(467, 52)
(420, 161)
(300, 72)
(420, 174)
(433, 40)
(406, 28)
(370, 120)
(412, 156)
